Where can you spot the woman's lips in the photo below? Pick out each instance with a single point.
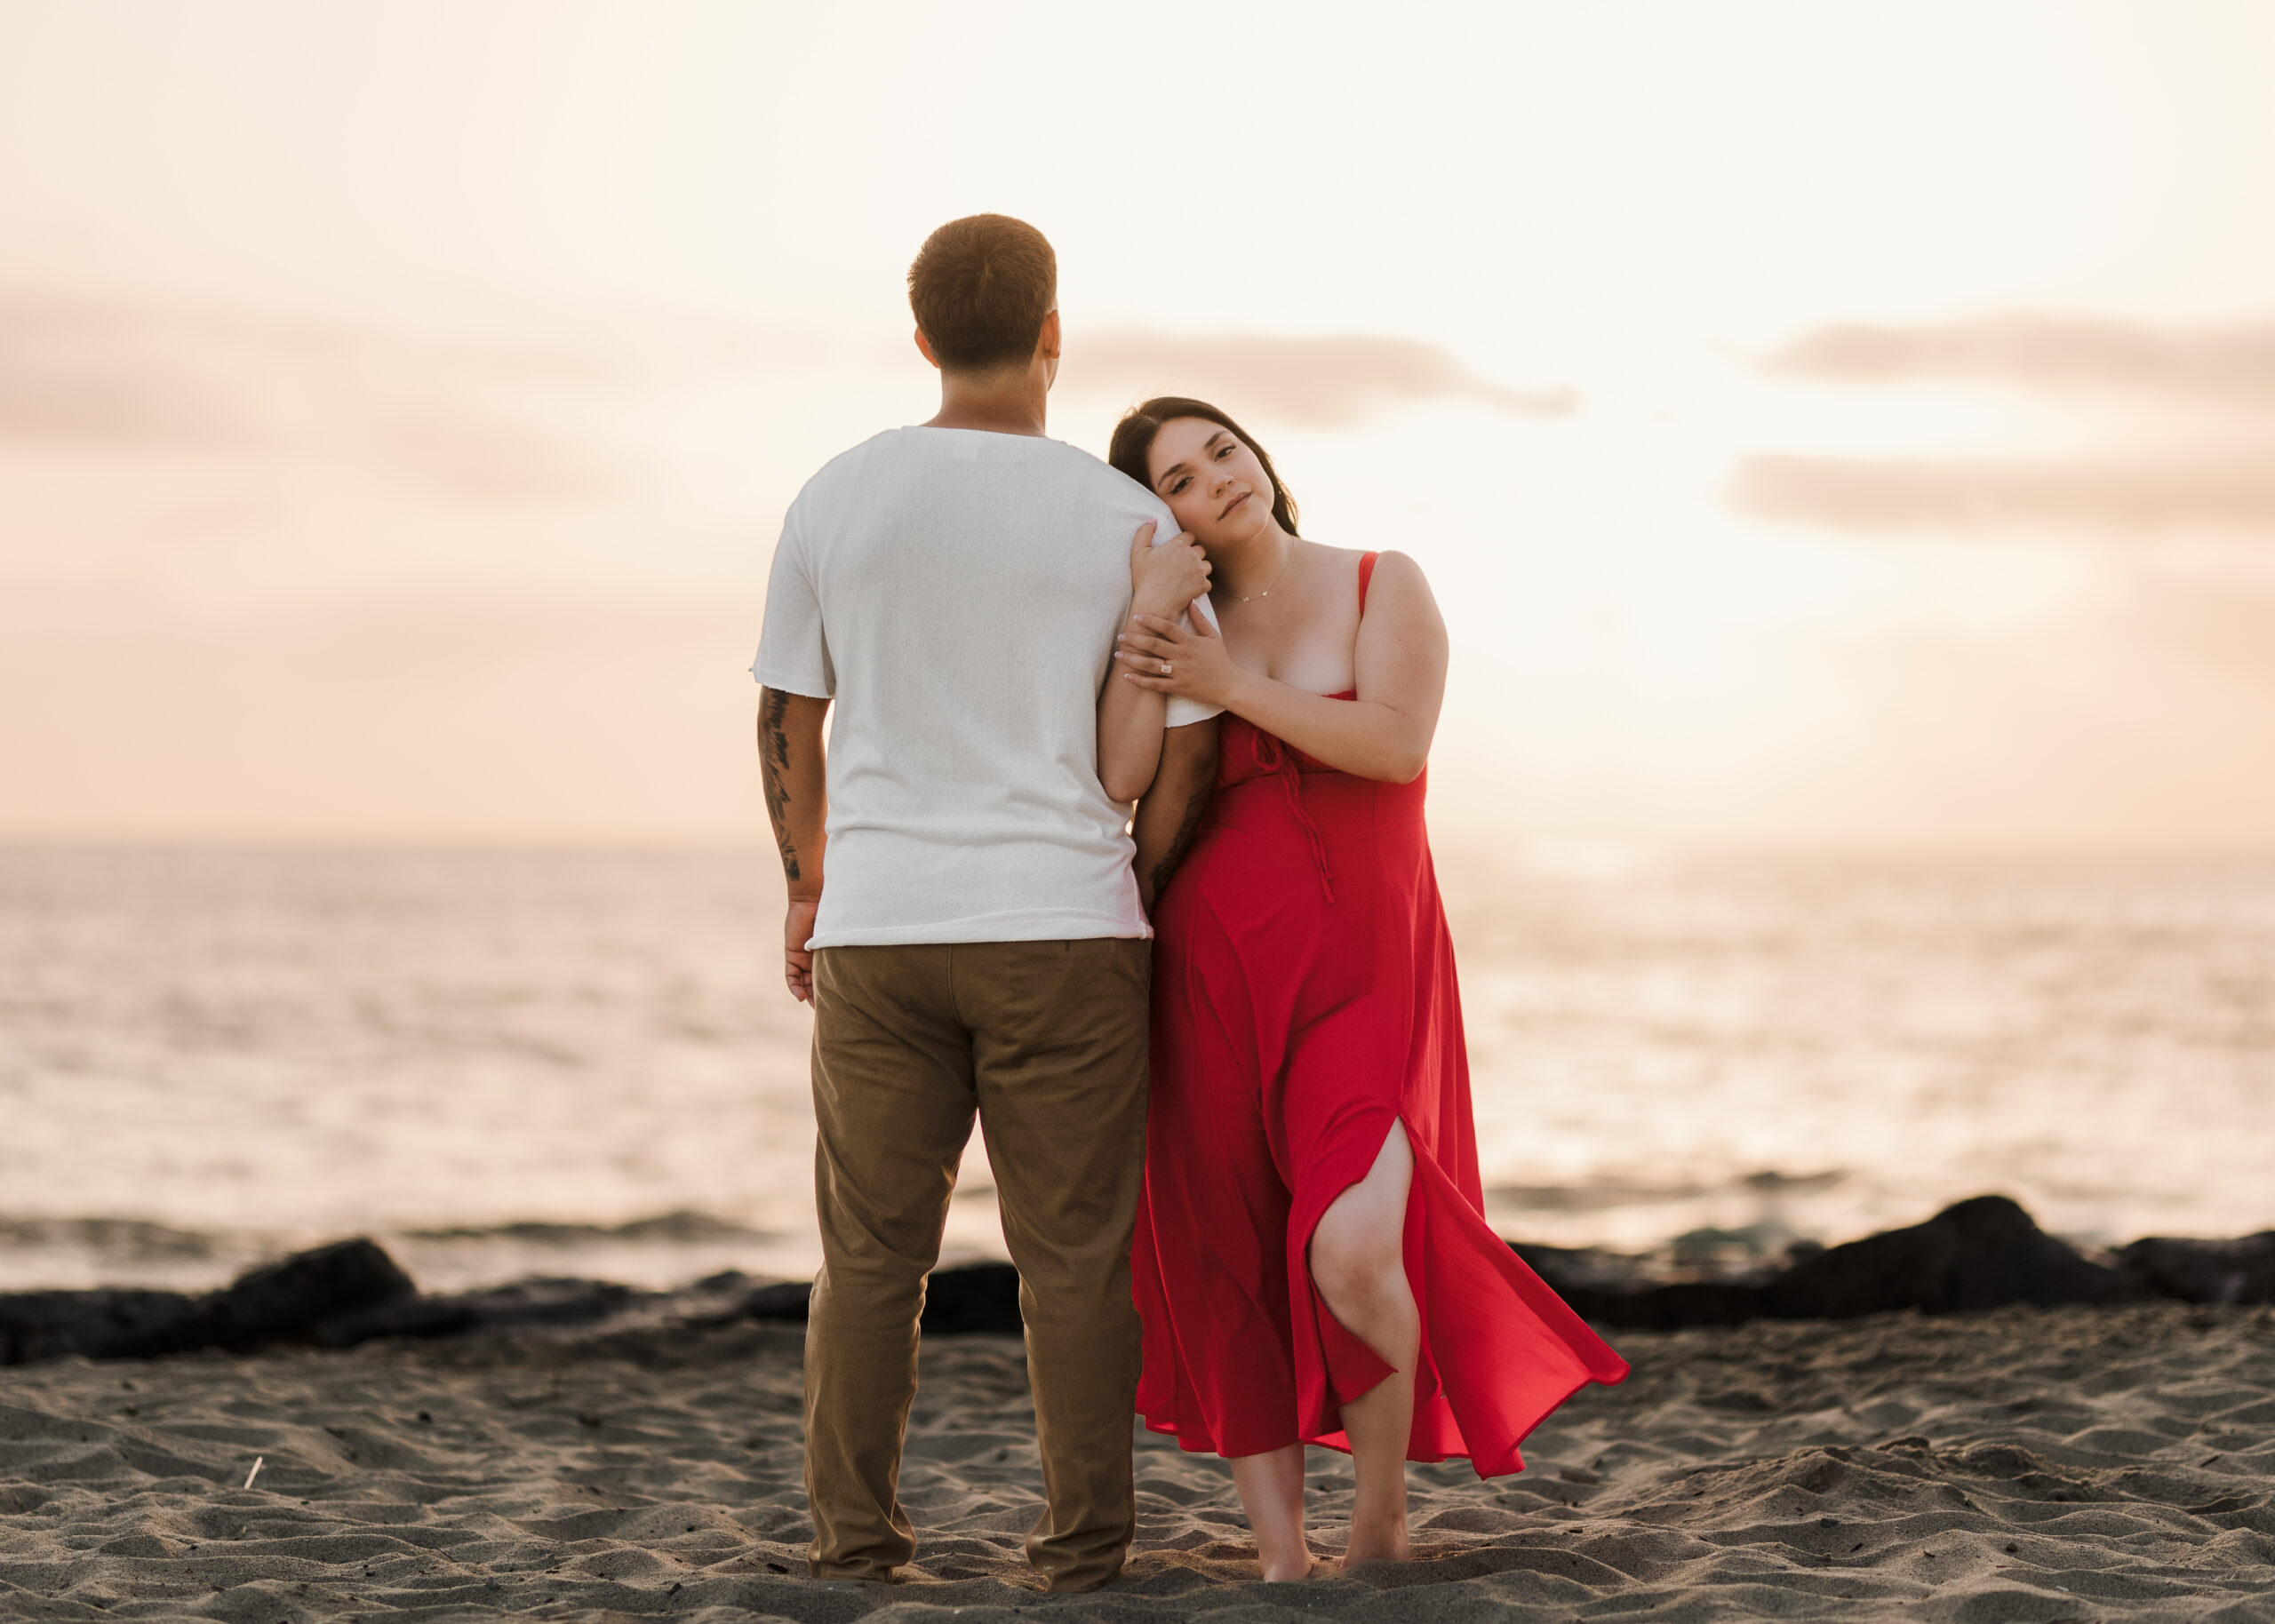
(1234, 504)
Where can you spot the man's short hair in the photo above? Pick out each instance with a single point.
(980, 288)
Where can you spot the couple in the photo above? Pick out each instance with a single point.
(1280, 1241)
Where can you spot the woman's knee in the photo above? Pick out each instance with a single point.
(1358, 1250)
(1350, 1264)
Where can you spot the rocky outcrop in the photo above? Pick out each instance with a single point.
(98, 1323)
(525, 1304)
(352, 1292)
(978, 1297)
(1979, 1254)
(2238, 1271)
(973, 1297)
(280, 1302)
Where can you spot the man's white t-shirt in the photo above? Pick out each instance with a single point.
(957, 592)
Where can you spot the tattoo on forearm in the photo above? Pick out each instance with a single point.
(1167, 866)
(773, 762)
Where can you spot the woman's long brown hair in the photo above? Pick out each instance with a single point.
(1133, 445)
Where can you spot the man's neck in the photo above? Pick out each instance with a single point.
(1006, 402)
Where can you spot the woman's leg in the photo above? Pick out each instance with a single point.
(1358, 1259)
(1271, 1493)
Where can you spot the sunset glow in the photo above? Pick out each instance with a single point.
(1823, 425)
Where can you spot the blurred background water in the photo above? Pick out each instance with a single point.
(507, 1063)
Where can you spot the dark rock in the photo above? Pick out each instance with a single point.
(280, 1302)
(525, 1305)
(2238, 1271)
(978, 1297)
(1980, 1253)
(973, 1297)
(1613, 1290)
(288, 1298)
(1977, 1254)
(411, 1317)
(98, 1324)
(785, 1300)
(1672, 1306)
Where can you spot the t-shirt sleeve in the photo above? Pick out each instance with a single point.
(1182, 712)
(792, 652)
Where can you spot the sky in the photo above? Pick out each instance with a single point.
(1823, 424)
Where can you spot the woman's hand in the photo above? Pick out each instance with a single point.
(1164, 580)
(1157, 654)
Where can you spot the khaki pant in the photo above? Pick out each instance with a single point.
(1046, 1041)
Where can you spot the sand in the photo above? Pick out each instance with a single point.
(2023, 1465)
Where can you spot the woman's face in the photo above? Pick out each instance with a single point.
(1213, 483)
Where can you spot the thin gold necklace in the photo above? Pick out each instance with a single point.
(1276, 579)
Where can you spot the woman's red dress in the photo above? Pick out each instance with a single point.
(1304, 999)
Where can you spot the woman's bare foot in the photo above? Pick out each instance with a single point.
(1271, 1488)
(1282, 1567)
(1387, 1543)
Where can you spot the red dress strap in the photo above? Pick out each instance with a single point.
(1366, 574)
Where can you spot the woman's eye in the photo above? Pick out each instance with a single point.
(1178, 487)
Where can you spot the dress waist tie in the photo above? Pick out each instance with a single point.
(1280, 761)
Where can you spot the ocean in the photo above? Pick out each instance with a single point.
(503, 1064)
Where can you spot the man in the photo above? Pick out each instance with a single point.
(979, 946)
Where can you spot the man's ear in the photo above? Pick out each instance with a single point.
(1046, 347)
(924, 348)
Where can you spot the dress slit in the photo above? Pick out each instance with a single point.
(1354, 1367)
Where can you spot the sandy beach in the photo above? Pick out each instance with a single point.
(2020, 1465)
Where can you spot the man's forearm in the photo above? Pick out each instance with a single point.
(793, 770)
(1169, 813)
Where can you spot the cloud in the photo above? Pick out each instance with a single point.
(2234, 366)
(1870, 494)
(1327, 380)
(464, 422)
(487, 458)
(76, 372)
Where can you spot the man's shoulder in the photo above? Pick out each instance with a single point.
(898, 455)
(1094, 481)
(1095, 470)
(845, 468)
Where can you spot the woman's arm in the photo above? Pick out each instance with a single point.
(1400, 660)
(1173, 805)
(1163, 582)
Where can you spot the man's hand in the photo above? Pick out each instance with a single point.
(1165, 580)
(797, 963)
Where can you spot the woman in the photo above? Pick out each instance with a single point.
(1312, 1262)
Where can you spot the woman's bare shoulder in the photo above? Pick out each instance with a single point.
(1399, 573)
(1399, 599)
(1348, 558)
